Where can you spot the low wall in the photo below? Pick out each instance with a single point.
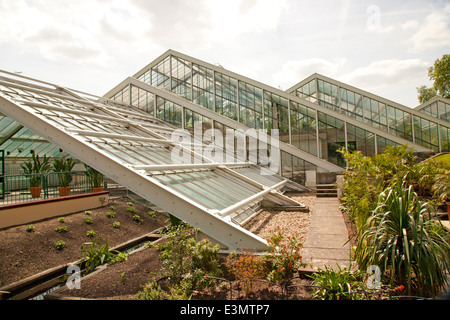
(24, 213)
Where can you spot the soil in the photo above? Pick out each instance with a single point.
(25, 254)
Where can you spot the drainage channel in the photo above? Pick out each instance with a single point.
(38, 286)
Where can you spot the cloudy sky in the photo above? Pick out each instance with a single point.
(384, 47)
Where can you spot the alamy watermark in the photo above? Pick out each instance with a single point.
(235, 146)
(374, 19)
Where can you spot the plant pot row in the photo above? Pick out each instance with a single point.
(63, 191)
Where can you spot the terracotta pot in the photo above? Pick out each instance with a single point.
(98, 189)
(64, 191)
(35, 192)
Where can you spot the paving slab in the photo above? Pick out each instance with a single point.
(327, 241)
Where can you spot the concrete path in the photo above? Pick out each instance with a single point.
(327, 237)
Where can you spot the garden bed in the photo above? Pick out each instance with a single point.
(25, 254)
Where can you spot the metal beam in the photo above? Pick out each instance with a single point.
(117, 136)
(187, 166)
(232, 236)
(251, 199)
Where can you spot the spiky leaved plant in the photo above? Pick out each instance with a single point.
(403, 240)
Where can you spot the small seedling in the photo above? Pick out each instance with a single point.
(61, 229)
(152, 214)
(131, 209)
(30, 228)
(90, 233)
(130, 204)
(116, 225)
(62, 220)
(112, 208)
(88, 220)
(88, 213)
(137, 218)
(110, 214)
(60, 245)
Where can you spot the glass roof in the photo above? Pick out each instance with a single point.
(107, 134)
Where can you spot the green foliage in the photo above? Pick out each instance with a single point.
(88, 220)
(439, 73)
(441, 186)
(61, 229)
(284, 258)
(152, 214)
(341, 284)
(403, 240)
(95, 178)
(64, 167)
(137, 218)
(110, 214)
(88, 213)
(246, 267)
(96, 255)
(61, 220)
(131, 209)
(90, 234)
(188, 262)
(366, 177)
(60, 245)
(425, 94)
(36, 168)
(116, 225)
(30, 228)
(112, 208)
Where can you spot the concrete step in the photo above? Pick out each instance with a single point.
(326, 191)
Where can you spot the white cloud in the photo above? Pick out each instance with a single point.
(235, 17)
(293, 72)
(433, 32)
(410, 25)
(386, 72)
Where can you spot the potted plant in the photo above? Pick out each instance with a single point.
(35, 169)
(63, 168)
(95, 179)
(441, 188)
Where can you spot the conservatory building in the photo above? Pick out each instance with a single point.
(206, 144)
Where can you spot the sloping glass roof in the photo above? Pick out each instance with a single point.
(133, 148)
(317, 130)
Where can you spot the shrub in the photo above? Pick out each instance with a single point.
(97, 254)
(284, 258)
(246, 267)
(188, 263)
(403, 240)
(341, 284)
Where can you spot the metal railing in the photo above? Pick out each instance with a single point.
(16, 188)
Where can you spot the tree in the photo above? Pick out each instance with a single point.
(440, 74)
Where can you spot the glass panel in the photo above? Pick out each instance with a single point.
(360, 140)
(426, 133)
(445, 139)
(332, 136)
